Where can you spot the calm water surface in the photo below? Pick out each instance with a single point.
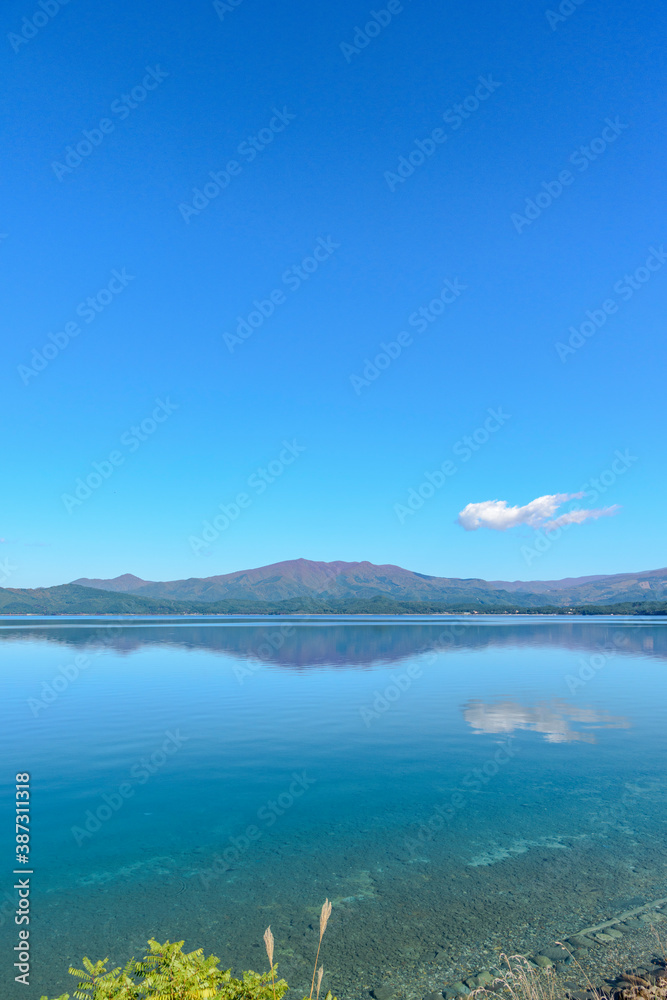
(454, 786)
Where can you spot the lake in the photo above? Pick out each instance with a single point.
(456, 786)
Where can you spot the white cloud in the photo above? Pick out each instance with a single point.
(496, 515)
(577, 516)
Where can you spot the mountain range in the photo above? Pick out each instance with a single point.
(327, 582)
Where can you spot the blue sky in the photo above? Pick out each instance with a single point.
(305, 122)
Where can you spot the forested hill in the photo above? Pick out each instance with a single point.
(72, 599)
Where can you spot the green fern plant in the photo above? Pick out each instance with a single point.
(166, 972)
(95, 983)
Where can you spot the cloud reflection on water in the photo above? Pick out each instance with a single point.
(549, 718)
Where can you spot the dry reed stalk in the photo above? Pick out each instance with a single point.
(521, 982)
(268, 941)
(320, 973)
(324, 920)
(592, 989)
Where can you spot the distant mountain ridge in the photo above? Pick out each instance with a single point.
(339, 581)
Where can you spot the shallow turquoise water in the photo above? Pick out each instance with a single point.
(454, 786)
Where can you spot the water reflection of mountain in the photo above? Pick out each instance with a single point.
(550, 718)
(293, 644)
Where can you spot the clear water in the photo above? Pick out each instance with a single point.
(454, 786)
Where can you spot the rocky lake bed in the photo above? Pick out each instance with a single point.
(619, 957)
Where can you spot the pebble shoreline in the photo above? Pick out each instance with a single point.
(580, 965)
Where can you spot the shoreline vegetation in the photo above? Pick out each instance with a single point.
(72, 599)
(166, 972)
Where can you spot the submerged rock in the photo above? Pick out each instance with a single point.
(556, 953)
(581, 941)
(542, 961)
